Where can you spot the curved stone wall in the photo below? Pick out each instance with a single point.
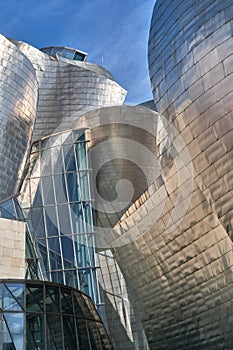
(18, 100)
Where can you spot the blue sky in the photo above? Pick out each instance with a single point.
(116, 30)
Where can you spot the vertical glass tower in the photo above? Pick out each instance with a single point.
(57, 198)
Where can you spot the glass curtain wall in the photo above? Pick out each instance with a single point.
(34, 267)
(58, 199)
(42, 315)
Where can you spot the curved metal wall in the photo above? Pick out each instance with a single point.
(119, 140)
(191, 69)
(68, 89)
(18, 99)
(122, 150)
(182, 286)
(177, 276)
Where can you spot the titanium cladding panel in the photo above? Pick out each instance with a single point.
(186, 274)
(18, 99)
(118, 140)
(192, 85)
(67, 89)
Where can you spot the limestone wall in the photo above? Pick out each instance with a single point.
(12, 248)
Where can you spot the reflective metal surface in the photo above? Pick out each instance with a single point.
(18, 99)
(67, 89)
(166, 237)
(180, 280)
(175, 280)
(120, 148)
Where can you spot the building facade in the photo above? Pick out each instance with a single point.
(130, 205)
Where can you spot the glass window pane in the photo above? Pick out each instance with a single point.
(94, 335)
(53, 244)
(85, 282)
(57, 50)
(79, 56)
(88, 216)
(34, 166)
(71, 278)
(46, 162)
(34, 298)
(51, 221)
(81, 155)
(37, 219)
(91, 308)
(6, 214)
(66, 301)
(57, 277)
(6, 339)
(36, 192)
(9, 207)
(81, 250)
(84, 186)
(68, 252)
(52, 299)
(69, 333)
(35, 331)
(79, 135)
(13, 297)
(18, 210)
(73, 187)
(55, 140)
(55, 260)
(54, 324)
(80, 307)
(91, 249)
(60, 188)
(7, 210)
(68, 54)
(48, 191)
(57, 159)
(50, 341)
(64, 219)
(67, 137)
(69, 158)
(43, 252)
(84, 343)
(77, 218)
(94, 285)
(15, 324)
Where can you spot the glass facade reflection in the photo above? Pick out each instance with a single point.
(66, 52)
(41, 315)
(34, 267)
(58, 200)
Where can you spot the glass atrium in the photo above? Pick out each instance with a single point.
(57, 198)
(41, 315)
